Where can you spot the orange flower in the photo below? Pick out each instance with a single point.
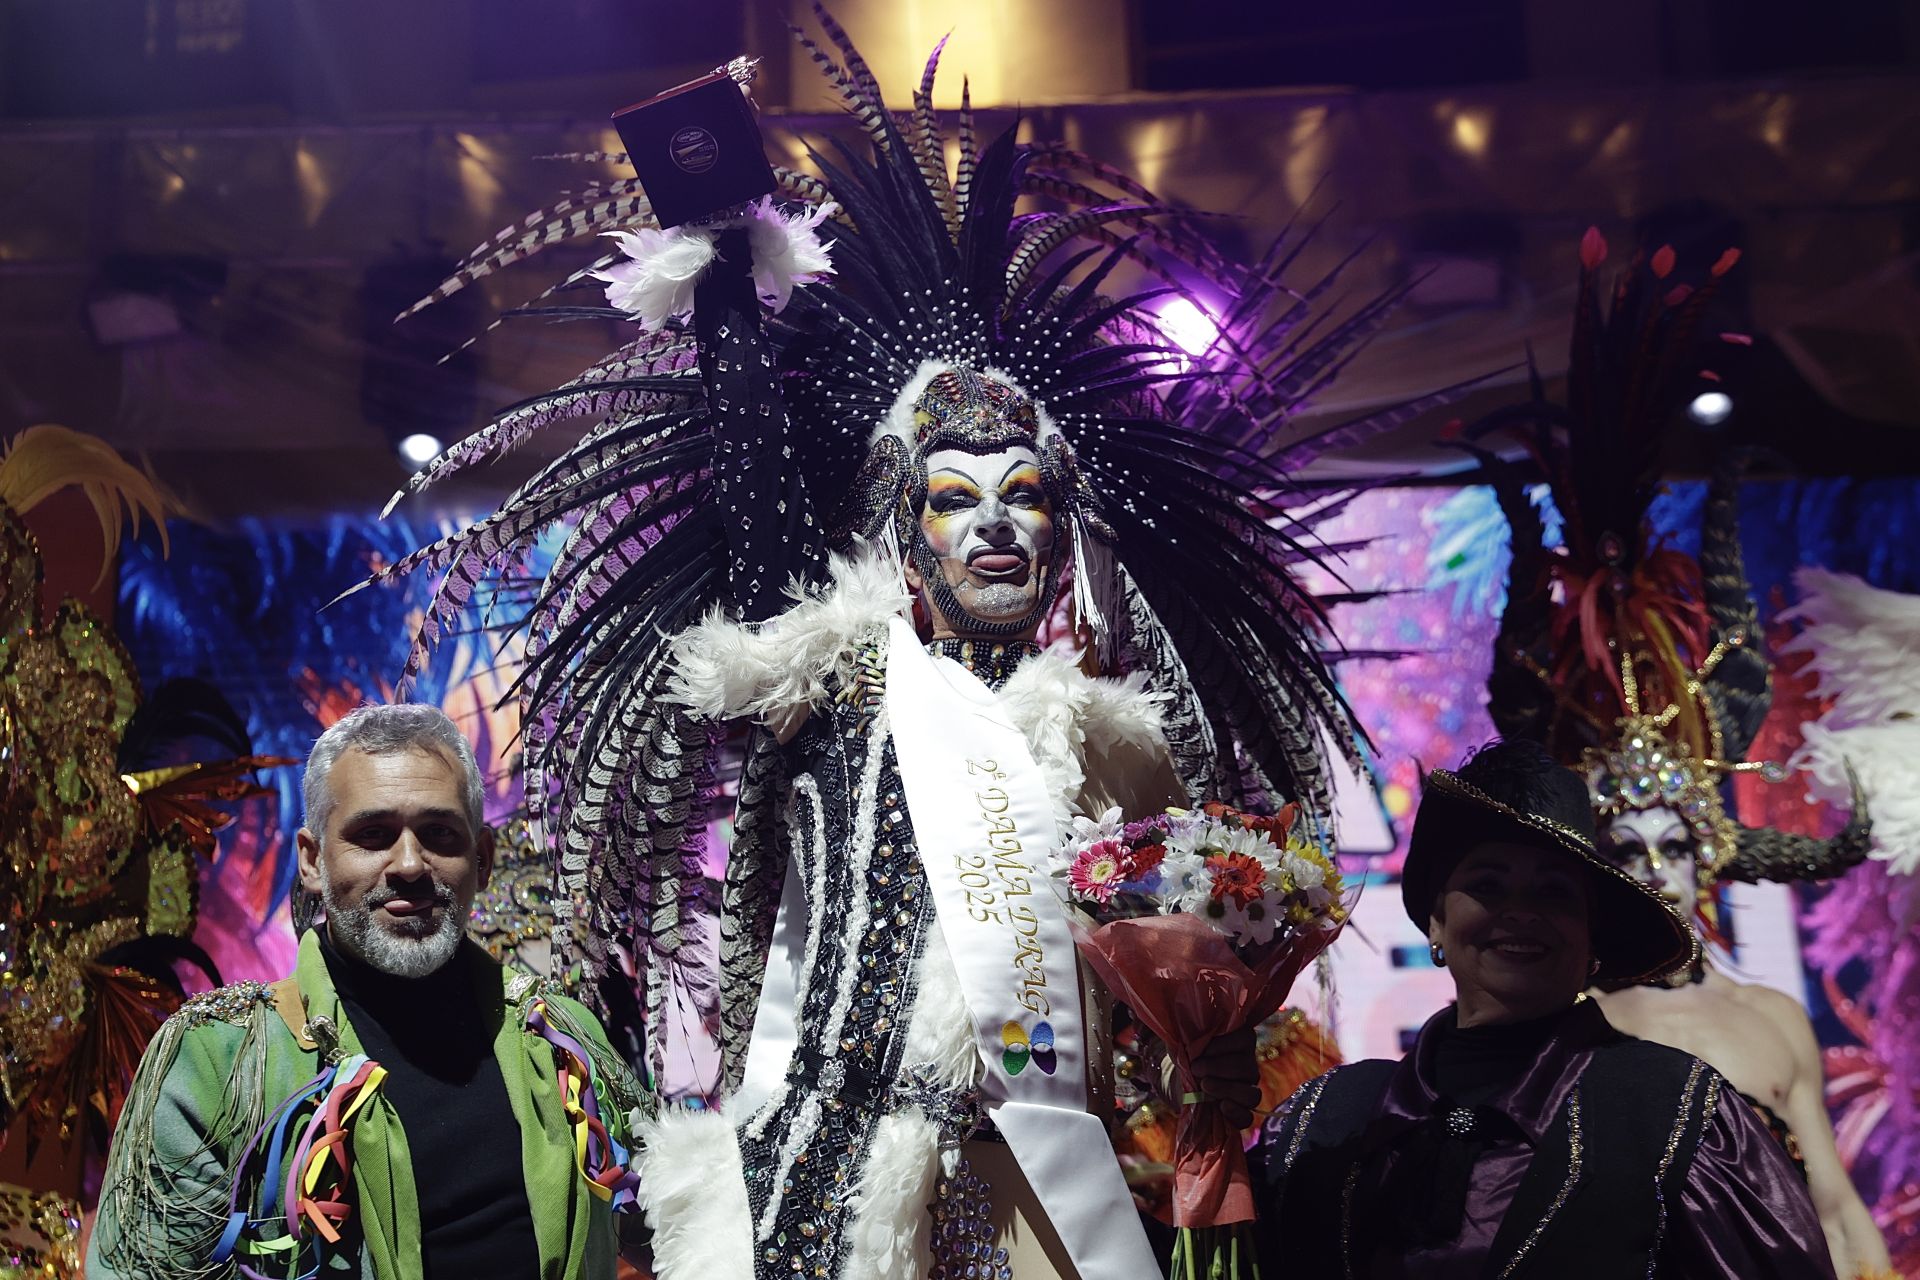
(1144, 859)
(1237, 876)
(1275, 828)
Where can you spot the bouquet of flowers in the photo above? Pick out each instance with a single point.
(1200, 921)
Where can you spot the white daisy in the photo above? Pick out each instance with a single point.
(1228, 916)
(1263, 917)
(1184, 882)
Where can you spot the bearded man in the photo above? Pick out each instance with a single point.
(400, 1107)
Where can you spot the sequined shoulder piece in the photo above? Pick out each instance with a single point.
(230, 1003)
(522, 987)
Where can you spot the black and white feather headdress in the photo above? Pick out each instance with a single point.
(681, 494)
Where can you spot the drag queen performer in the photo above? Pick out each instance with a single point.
(974, 411)
(1645, 673)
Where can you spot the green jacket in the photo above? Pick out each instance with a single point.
(218, 1068)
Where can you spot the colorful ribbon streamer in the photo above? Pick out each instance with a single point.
(314, 1192)
(602, 1159)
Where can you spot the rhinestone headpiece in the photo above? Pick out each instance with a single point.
(971, 410)
(1644, 768)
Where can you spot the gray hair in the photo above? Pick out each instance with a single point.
(383, 730)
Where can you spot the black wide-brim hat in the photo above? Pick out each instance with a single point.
(1637, 937)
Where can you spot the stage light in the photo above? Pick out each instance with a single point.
(1710, 408)
(418, 377)
(419, 448)
(1192, 330)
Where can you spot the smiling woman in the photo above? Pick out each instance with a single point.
(1511, 924)
(1523, 1127)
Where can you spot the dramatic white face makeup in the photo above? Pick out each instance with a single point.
(1656, 847)
(989, 526)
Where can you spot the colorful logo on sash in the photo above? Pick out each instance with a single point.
(1022, 1047)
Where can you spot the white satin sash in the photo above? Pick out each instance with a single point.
(984, 825)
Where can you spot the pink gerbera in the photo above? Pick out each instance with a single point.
(1097, 872)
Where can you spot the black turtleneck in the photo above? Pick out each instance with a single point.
(434, 1035)
(1473, 1064)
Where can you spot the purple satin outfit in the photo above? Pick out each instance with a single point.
(1744, 1212)
(1647, 1164)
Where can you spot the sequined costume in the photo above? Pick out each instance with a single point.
(749, 501)
(513, 916)
(106, 832)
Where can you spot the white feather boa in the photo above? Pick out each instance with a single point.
(889, 1231)
(694, 1195)
(1073, 724)
(726, 669)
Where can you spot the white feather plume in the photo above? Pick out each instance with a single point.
(694, 1196)
(941, 1043)
(889, 1229)
(787, 250)
(725, 669)
(1861, 643)
(1072, 722)
(657, 281)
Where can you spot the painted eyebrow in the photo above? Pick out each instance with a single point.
(951, 471)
